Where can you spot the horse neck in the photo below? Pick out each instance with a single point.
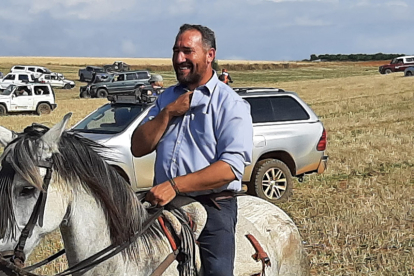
(87, 232)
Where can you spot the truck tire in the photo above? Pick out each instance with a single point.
(101, 93)
(409, 73)
(43, 109)
(388, 71)
(272, 181)
(67, 86)
(3, 110)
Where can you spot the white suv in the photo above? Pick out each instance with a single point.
(16, 78)
(36, 97)
(36, 71)
(289, 140)
(56, 81)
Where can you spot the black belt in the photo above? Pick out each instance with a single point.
(214, 197)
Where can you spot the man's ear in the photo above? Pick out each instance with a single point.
(211, 55)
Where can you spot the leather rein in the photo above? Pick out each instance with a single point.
(12, 261)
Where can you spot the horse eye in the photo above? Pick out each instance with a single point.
(27, 191)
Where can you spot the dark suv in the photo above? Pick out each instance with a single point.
(87, 73)
(116, 83)
(289, 140)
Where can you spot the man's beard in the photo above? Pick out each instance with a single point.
(195, 75)
(192, 78)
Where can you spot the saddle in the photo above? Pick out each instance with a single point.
(258, 261)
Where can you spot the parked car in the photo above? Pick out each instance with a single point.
(117, 66)
(36, 97)
(36, 71)
(117, 83)
(56, 81)
(16, 78)
(98, 77)
(289, 140)
(86, 74)
(398, 64)
(409, 71)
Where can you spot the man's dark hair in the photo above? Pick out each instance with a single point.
(207, 35)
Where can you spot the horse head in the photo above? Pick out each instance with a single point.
(24, 166)
(64, 179)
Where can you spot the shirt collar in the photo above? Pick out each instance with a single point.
(212, 83)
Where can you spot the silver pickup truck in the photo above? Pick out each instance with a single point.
(289, 140)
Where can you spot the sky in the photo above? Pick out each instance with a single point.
(266, 30)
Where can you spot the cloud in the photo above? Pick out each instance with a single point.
(81, 9)
(376, 3)
(325, 1)
(128, 48)
(398, 4)
(310, 22)
(182, 7)
(245, 29)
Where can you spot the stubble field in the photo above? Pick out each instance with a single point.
(355, 219)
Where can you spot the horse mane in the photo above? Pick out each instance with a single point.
(78, 160)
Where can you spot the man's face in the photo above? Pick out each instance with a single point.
(192, 63)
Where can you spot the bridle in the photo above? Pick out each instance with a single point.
(17, 256)
(12, 262)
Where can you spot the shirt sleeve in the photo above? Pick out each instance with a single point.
(235, 136)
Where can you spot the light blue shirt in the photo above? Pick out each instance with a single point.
(218, 126)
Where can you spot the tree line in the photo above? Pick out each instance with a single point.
(354, 57)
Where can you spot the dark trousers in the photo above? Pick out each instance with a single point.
(217, 240)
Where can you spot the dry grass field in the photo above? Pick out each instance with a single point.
(358, 217)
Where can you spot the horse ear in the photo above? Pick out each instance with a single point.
(6, 136)
(52, 136)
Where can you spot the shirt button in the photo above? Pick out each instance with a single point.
(178, 142)
(173, 160)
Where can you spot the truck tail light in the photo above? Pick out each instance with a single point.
(322, 141)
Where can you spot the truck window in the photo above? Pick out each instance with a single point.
(131, 76)
(41, 90)
(276, 109)
(143, 75)
(24, 91)
(10, 77)
(24, 77)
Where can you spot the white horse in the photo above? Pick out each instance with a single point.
(94, 207)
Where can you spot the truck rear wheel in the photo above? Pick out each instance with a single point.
(43, 109)
(102, 93)
(3, 110)
(272, 181)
